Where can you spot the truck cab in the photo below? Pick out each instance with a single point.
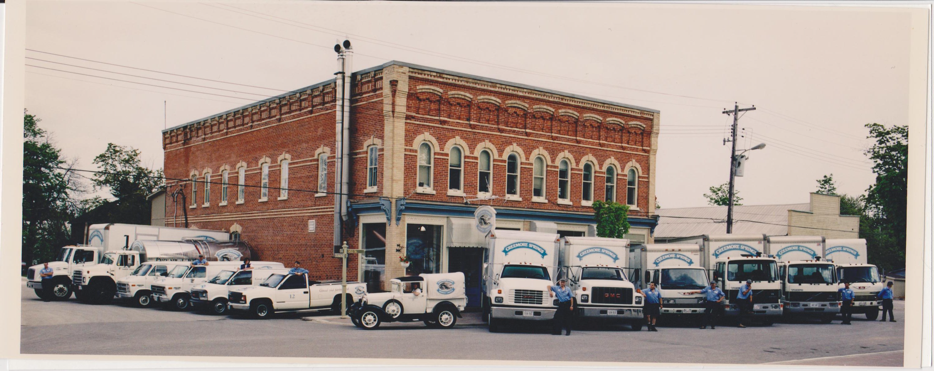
(137, 287)
(733, 272)
(291, 292)
(68, 257)
(435, 299)
(810, 289)
(519, 266)
(676, 270)
(600, 286)
(852, 266)
(174, 292)
(212, 295)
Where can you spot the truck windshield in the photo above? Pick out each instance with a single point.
(858, 274)
(63, 255)
(178, 271)
(810, 273)
(222, 277)
(525, 271)
(602, 273)
(683, 279)
(753, 270)
(141, 270)
(273, 280)
(107, 259)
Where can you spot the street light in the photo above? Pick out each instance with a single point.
(734, 162)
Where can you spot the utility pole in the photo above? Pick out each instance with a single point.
(735, 112)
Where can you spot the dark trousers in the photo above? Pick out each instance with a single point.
(562, 318)
(745, 310)
(711, 312)
(887, 306)
(847, 311)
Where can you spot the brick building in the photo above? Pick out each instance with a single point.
(428, 147)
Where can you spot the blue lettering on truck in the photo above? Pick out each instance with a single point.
(734, 246)
(524, 245)
(846, 249)
(792, 248)
(673, 255)
(597, 250)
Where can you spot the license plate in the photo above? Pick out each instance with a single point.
(611, 312)
(528, 313)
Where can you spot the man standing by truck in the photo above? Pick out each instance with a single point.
(744, 302)
(847, 296)
(653, 304)
(565, 306)
(712, 310)
(887, 306)
(46, 273)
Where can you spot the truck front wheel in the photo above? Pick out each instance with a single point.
(143, 299)
(219, 306)
(872, 314)
(261, 309)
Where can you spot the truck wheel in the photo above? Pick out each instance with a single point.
(446, 318)
(219, 306)
(393, 308)
(61, 289)
(872, 314)
(40, 294)
(261, 309)
(143, 300)
(180, 302)
(369, 320)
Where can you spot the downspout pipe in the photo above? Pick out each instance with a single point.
(338, 150)
(345, 159)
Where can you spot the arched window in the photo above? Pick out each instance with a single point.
(538, 177)
(372, 166)
(610, 184)
(284, 179)
(194, 190)
(512, 175)
(632, 181)
(323, 173)
(587, 186)
(484, 183)
(207, 189)
(564, 175)
(424, 165)
(264, 182)
(456, 170)
(224, 176)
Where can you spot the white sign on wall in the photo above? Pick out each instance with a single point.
(311, 226)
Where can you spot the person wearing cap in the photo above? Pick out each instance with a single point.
(744, 302)
(712, 311)
(887, 295)
(565, 307)
(846, 296)
(200, 261)
(653, 302)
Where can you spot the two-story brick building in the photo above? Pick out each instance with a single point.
(428, 147)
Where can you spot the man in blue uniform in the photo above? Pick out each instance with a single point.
(653, 302)
(846, 296)
(565, 306)
(712, 311)
(886, 295)
(744, 302)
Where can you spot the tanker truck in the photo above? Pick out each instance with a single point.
(103, 238)
(97, 283)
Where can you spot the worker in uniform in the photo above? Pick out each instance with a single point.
(653, 304)
(714, 298)
(565, 307)
(846, 296)
(887, 306)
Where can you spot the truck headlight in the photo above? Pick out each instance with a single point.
(638, 300)
(585, 298)
(498, 299)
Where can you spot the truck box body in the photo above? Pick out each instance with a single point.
(850, 256)
(520, 265)
(593, 266)
(675, 269)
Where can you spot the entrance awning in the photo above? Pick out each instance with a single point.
(463, 233)
(544, 227)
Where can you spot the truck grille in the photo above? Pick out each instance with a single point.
(158, 290)
(30, 274)
(812, 296)
(124, 288)
(611, 295)
(201, 294)
(77, 277)
(235, 297)
(865, 298)
(761, 296)
(527, 297)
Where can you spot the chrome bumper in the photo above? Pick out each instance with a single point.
(519, 313)
(610, 312)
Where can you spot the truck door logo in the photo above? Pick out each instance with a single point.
(673, 255)
(445, 286)
(792, 248)
(734, 246)
(524, 245)
(597, 250)
(846, 249)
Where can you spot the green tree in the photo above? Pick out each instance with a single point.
(47, 186)
(826, 186)
(720, 196)
(612, 219)
(886, 201)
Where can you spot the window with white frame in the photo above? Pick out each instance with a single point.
(610, 194)
(632, 181)
(241, 183)
(456, 170)
(564, 176)
(424, 165)
(323, 173)
(264, 182)
(224, 176)
(587, 185)
(512, 175)
(207, 189)
(538, 177)
(284, 179)
(194, 190)
(484, 182)
(371, 166)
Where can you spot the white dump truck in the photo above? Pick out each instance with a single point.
(675, 269)
(175, 293)
(849, 255)
(97, 283)
(518, 267)
(103, 238)
(437, 299)
(594, 269)
(211, 296)
(136, 287)
(809, 284)
(289, 293)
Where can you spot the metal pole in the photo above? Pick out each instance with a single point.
(344, 280)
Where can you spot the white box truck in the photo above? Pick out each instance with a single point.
(175, 292)
(809, 282)
(518, 267)
(594, 269)
(852, 266)
(137, 286)
(675, 269)
(211, 296)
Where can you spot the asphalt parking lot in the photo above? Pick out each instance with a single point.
(70, 327)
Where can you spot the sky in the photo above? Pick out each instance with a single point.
(816, 75)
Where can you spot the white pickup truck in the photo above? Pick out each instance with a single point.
(137, 286)
(291, 292)
(439, 304)
(212, 295)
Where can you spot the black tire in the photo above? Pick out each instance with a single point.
(40, 293)
(143, 299)
(636, 325)
(369, 320)
(446, 318)
(218, 306)
(393, 308)
(872, 314)
(261, 309)
(180, 302)
(61, 289)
